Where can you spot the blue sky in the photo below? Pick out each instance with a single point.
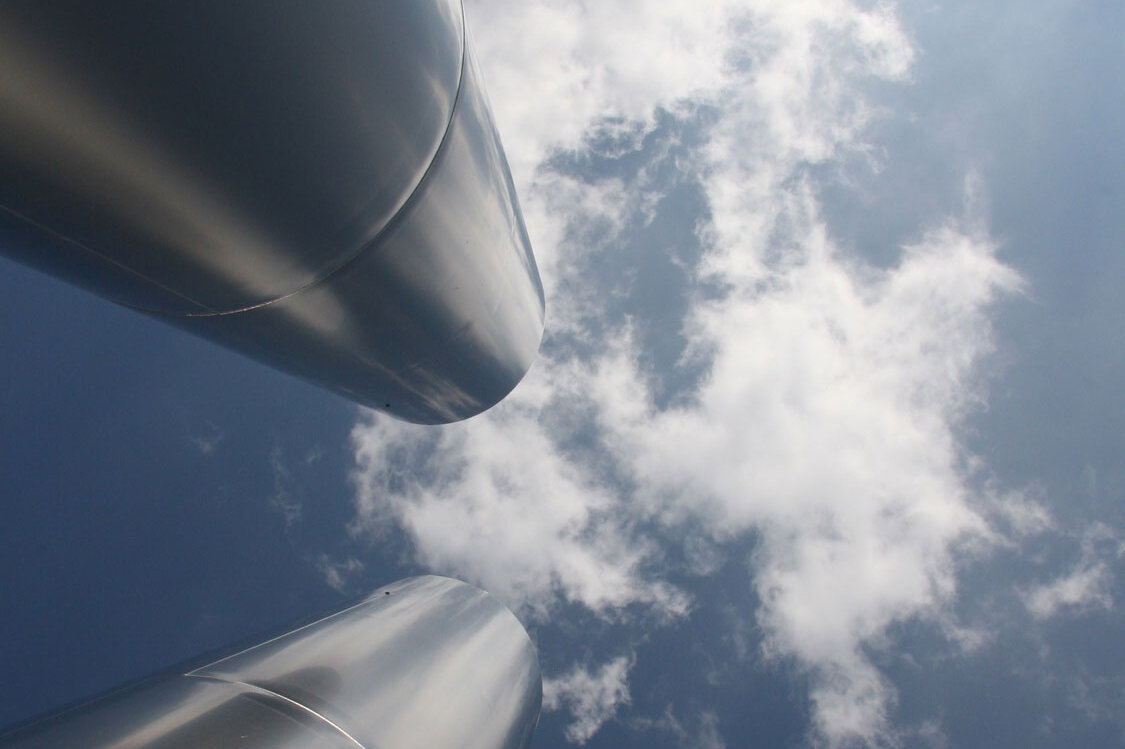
(823, 445)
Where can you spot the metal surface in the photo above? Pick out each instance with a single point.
(425, 662)
(317, 185)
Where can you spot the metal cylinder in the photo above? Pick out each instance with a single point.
(317, 185)
(424, 662)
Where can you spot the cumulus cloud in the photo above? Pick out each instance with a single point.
(825, 424)
(591, 697)
(495, 501)
(823, 415)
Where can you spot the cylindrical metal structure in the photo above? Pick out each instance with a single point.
(426, 662)
(317, 185)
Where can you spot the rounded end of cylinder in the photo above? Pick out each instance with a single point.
(426, 661)
(372, 244)
(440, 316)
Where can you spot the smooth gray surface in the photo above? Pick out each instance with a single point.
(219, 156)
(320, 187)
(427, 661)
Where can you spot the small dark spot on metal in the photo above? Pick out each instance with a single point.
(386, 405)
(386, 592)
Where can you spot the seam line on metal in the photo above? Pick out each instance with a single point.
(389, 224)
(303, 708)
(86, 248)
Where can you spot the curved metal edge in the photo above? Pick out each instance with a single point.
(437, 322)
(129, 285)
(371, 244)
(434, 321)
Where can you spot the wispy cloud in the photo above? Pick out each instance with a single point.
(811, 401)
(706, 733)
(286, 497)
(1084, 587)
(591, 697)
(336, 573)
(209, 441)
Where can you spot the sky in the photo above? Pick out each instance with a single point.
(823, 446)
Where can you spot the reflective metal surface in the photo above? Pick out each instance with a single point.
(425, 662)
(317, 185)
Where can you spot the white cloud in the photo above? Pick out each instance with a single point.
(207, 443)
(336, 573)
(554, 67)
(1083, 588)
(287, 497)
(1086, 586)
(495, 501)
(825, 425)
(705, 736)
(591, 697)
(1019, 515)
(709, 736)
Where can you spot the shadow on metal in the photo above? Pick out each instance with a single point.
(318, 186)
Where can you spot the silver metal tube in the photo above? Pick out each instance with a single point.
(424, 662)
(317, 185)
